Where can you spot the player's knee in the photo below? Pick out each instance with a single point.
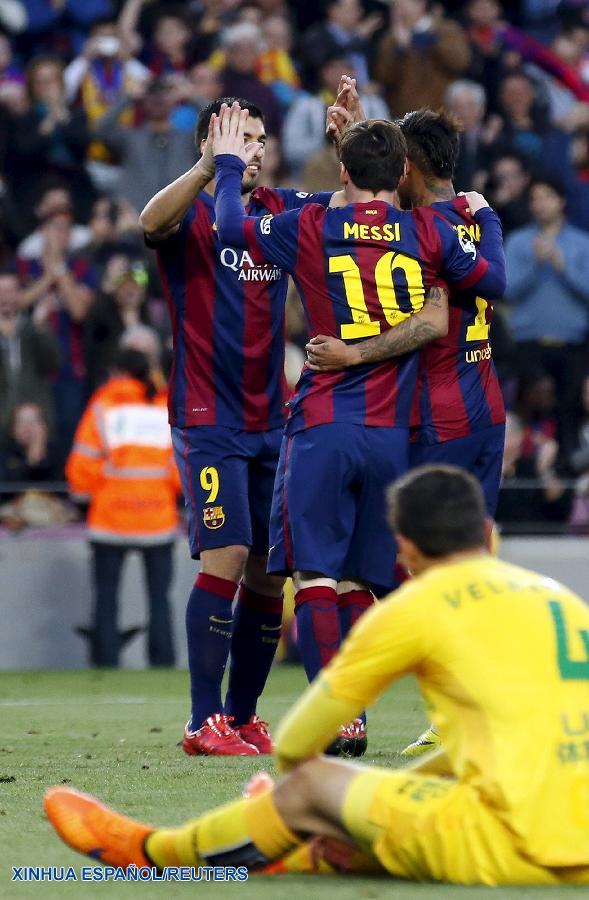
(345, 587)
(303, 579)
(257, 579)
(294, 794)
(225, 562)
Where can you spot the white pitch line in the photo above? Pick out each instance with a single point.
(102, 701)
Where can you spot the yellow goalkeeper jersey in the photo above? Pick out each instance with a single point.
(502, 659)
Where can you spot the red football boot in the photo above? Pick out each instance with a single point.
(351, 741)
(216, 737)
(256, 732)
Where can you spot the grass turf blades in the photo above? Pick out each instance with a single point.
(114, 734)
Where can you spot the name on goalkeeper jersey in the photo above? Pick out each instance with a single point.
(358, 232)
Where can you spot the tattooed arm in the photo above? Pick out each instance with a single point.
(329, 354)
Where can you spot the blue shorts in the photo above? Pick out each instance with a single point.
(227, 478)
(329, 506)
(480, 453)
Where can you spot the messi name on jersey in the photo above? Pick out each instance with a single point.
(389, 231)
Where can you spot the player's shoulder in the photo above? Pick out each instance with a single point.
(557, 597)
(277, 200)
(425, 218)
(268, 200)
(501, 576)
(454, 210)
(521, 577)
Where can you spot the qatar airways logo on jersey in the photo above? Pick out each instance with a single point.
(240, 262)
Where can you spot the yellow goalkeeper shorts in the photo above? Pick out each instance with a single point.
(426, 828)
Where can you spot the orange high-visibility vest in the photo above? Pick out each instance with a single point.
(122, 458)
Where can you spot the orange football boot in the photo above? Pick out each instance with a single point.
(89, 827)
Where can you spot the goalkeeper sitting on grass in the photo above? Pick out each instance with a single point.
(502, 659)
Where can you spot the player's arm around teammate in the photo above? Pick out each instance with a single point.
(329, 354)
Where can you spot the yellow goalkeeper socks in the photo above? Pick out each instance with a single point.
(249, 832)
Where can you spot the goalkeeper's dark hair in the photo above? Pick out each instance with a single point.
(374, 154)
(432, 141)
(214, 108)
(132, 362)
(440, 509)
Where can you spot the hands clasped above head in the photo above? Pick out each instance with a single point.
(346, 110)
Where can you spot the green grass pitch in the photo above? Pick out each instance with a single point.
(114, 734)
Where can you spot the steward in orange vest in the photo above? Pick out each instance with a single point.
(122, 459)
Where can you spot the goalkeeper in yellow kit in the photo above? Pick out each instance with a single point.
(502, 659)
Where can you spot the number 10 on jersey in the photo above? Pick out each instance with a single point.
(362, 325)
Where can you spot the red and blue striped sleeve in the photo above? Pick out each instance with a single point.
(274, 239)
(270, 238)
(464, 265)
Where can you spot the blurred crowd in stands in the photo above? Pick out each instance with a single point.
(98, 102)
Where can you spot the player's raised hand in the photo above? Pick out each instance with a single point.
(475, 200)
(329, 354)
(228, 129)
(349, 98)
(338, 119)
(207, 158)
(228, 134)
(346, 111)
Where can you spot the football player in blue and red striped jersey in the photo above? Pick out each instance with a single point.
(458, 416)
(227, 410)
(360, 270)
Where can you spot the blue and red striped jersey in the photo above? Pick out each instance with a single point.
(359, 270)
(227, 321)
(68, 331)
(458, 389)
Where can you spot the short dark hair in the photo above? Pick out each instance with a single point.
(440, 509)
(214, 108)
(374, 154)
(136, 364)
(432, 141)
(551, 182)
